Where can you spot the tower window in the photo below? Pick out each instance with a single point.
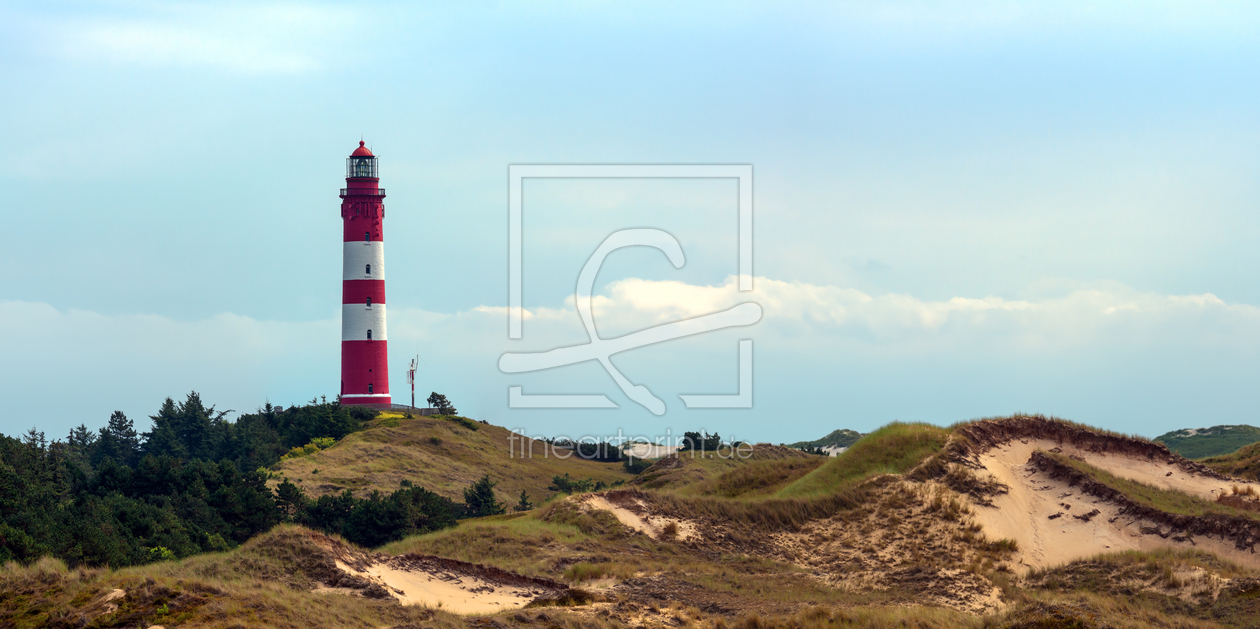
(369, 387)
(369, 302)
(369, 335)
(368, 270)
(367, 236)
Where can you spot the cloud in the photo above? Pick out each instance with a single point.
(256, 39)
(1110, 313)
(86, 363)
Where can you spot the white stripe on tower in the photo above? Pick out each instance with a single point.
(357, 319)
(363, 260)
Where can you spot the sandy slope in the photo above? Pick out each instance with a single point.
(636, 516)
(1024, 514)
(450, 590)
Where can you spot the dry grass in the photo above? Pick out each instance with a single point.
(264, 583)
(1066, 422)
(441, 455)
(523, 544)
(756, 478)
(585, 571)
(721, 474)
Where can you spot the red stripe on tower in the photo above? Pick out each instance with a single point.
(364, 359)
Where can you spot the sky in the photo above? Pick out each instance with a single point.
(961, 209)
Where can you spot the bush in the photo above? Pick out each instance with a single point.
(160, 553)
(701, 441)
(479, 499)
(379, 519)
(573, 485)
(315, 445)
(636, 466)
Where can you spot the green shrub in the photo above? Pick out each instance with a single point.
(160, 553)
(315, 445)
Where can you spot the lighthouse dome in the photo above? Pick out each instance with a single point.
(361, 164)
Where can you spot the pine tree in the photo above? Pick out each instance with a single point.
(523, 504)
(289, 499)
(438, 401)
(479, 499)
(164, 437)
(118, 442)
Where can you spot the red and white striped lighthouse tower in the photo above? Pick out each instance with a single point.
(364, 364)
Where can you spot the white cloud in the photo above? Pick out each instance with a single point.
(1085, 315)
(87, 363)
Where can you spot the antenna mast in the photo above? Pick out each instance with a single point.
(411, 379)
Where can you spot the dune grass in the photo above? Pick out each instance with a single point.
(755, 479)
(1052, 418)
(1245, 463)
(265, 583)
(1166, 500)
(441, 455)
(1159, 560)
(700, 473)
(893, 449)
(519, 544)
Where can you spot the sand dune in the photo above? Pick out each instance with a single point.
(635, 515)
(1052, 522)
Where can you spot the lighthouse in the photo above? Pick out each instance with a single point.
(364, 359)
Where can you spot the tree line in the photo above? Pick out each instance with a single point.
(195, 482)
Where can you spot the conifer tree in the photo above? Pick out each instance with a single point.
(479, 498)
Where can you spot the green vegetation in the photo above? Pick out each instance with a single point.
(566, 485)
(1244, 463)
(636, 466)
(462, 421)
(893, 449)
(320, 443)
(702, 441)
(841, 438)
(479, 499)
(1165, 500)
(121, 498)
(523, 503)
(443, 405)
(376, 519)
(1198, 443)
(736, 576)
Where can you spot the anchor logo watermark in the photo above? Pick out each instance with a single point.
(601, 349)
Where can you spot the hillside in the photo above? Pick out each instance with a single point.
(1245, 463)
(1198, 443)
(764, 470)
(442, 455)
(841, 438)
(1008, 523)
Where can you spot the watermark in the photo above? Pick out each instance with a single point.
(601, 349)
(614, 448)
